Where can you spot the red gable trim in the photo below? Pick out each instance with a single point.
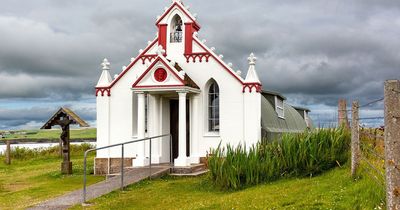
(250, 87)
(197, 26)
(102, 90)
(222, 64)
(133, 63)
(158, 86)
(151, 66)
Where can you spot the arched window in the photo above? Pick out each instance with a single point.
(213, 107)
(176, 29)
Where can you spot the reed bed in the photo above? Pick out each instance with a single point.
(293, 155)
(22, 153)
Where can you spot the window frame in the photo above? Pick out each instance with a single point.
(213, 123)
(280, 108)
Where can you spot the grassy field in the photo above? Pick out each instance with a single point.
(27, 182)
(89, 133)
(332, 190)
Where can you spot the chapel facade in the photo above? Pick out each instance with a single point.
(177, 85)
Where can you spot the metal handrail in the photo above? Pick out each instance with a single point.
(122, 158)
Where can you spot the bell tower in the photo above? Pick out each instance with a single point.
(176, 28)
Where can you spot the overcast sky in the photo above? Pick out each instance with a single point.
(314, 51)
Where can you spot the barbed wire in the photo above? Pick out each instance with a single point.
(375, 178)
(372, 102)
(372, 166)
(370, 118)
(371, 135)
(373, 152)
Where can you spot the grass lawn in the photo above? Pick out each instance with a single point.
(27, 182)
(331, 190)
(87, 133)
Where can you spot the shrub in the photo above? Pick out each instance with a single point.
(23, 153)
(294, 155)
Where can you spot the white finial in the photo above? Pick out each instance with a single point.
(221, 56)
(148, 42)
(252, 59)
(140, 51)
(252, 76)
(187, 7)
(105, 77)
(195, 15)
(177, 1)
(230, 65)
(165, 9)
(123, 68)
(204, 41)
(238, 72)
(106, 64)
(213, 49)
(160, 50)
(132, 59)
(196, 34)
(116, 76)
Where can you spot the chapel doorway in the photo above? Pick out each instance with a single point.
(174, 127)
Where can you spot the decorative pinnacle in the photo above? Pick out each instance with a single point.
(106, 64)
(252, 59)
(160, 50)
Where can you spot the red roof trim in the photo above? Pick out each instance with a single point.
(151, 66)
(133, 63)
(182, 9)
(158, 86)
(222, 64)
(251, 85)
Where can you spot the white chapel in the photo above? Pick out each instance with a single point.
(177, 85)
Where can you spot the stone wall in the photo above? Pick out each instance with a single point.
(103, 166)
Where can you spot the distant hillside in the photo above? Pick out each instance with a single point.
(87, 133)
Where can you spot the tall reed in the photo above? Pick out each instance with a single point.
(304, 154)
(22, 153)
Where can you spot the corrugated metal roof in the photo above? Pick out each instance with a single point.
(270, 92)
(292, 122)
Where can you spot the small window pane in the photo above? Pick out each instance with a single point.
(213, 107)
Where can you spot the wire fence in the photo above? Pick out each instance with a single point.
(372, 145)
(375, 129)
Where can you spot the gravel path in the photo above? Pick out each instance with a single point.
(96, 190)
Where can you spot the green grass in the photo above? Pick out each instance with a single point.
(334, 189)
(89, 133)
(27, 182)
(294, 155)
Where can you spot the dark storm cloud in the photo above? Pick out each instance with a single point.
(313, 51)
(37, 116)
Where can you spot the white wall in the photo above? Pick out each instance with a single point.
(239, 112)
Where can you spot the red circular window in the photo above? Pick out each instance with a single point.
(160, 75)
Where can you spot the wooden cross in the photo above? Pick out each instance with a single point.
(64, 117)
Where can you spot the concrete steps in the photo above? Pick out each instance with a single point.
(192, 170)
(198, 173)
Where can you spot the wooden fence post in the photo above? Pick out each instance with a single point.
(342, 113)
(392, 143)
(8, 153)
(355, 139)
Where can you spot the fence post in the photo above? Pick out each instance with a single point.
(8, 153)
(355, 139)
(342, 113)
(392, 143)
